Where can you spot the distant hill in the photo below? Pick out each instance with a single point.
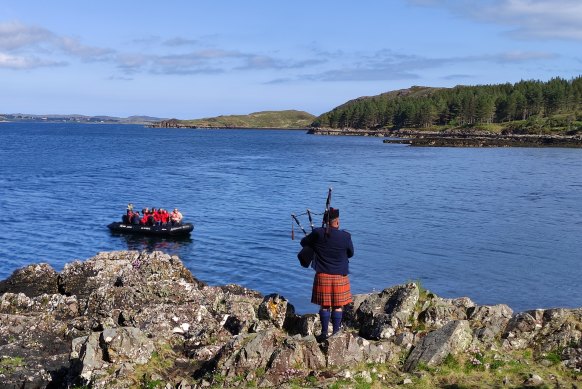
(73, 118)
(532, 106)
(265, 119)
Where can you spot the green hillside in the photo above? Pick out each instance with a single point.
(554, 106)
(265, 119)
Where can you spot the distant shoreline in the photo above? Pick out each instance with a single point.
(458, 138)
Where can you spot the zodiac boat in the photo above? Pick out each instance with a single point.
(162, 231)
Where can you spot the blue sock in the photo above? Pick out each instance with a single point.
(336, 320)
(324, 315)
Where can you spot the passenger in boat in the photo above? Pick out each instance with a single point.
(165, 216)
(176, 217)
(128, 214)
(157, 217)
(151, 220)
(145, 217)
(135, 219)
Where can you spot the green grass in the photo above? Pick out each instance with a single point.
(10, 364)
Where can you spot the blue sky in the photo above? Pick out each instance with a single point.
(193, 59)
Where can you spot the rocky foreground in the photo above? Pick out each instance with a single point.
(130, 319)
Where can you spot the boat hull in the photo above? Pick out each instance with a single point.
(124, 228)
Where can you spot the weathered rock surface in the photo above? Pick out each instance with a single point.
(124, 319)
(452, 338)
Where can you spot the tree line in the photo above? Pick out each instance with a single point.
(462, 105)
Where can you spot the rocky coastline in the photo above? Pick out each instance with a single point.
(459, 138)
(135, 319)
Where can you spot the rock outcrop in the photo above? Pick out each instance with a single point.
(458, 137)
(124, 319)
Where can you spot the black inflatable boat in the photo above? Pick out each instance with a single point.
(162, 231)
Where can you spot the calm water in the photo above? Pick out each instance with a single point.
(497, 225)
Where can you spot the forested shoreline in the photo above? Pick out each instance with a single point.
(531, 106)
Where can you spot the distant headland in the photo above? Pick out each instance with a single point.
(289, 119)
(73, 118)
(527, 113)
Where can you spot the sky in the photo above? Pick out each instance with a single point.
(191, 59)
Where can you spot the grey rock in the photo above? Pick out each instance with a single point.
(295, 357)
(248, 352)
(440, 311)
(544, 330)
(32, 280)
(344, 349)
(276, 309)
(452, 338)
(379, 315)
(489, 321)
(127, 344)
(90, 356)
(533, 380)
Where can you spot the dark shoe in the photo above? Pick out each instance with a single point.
(320, 338)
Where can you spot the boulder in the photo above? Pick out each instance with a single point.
(247, 352)
(544, 330)
(454, 337)
(345, 349)
(489, 321)
(296, 357)
(127, 344)
(380, 315)
(276, 309)
(32, 280)
(438, 311)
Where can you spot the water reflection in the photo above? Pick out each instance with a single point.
(172, 246)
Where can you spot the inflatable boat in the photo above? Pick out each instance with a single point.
(162, 231)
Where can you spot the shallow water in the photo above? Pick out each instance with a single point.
(498, 225)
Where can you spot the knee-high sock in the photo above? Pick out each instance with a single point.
(324, 315)
(336, 320)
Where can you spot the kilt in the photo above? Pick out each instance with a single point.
(331, 290)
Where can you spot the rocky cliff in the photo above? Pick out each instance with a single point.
(130, 319)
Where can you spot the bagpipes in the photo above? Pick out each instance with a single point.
(306, 254)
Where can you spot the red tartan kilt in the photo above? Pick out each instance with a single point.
(332, 290)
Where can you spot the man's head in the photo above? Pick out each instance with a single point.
(333, 217)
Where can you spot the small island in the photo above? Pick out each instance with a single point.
(289, 119)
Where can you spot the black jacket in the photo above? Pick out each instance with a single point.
(331, 252)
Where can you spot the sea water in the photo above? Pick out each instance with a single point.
(500, 225)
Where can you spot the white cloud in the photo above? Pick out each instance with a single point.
(386, 65)
(528, 19)
(15, 35)
(28, 47)
(88, 53)
(16, 62)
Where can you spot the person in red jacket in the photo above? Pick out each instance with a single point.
(157, 216)
(144, 219)
(165, 216)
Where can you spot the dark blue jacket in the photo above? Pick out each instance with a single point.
(331, 252)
